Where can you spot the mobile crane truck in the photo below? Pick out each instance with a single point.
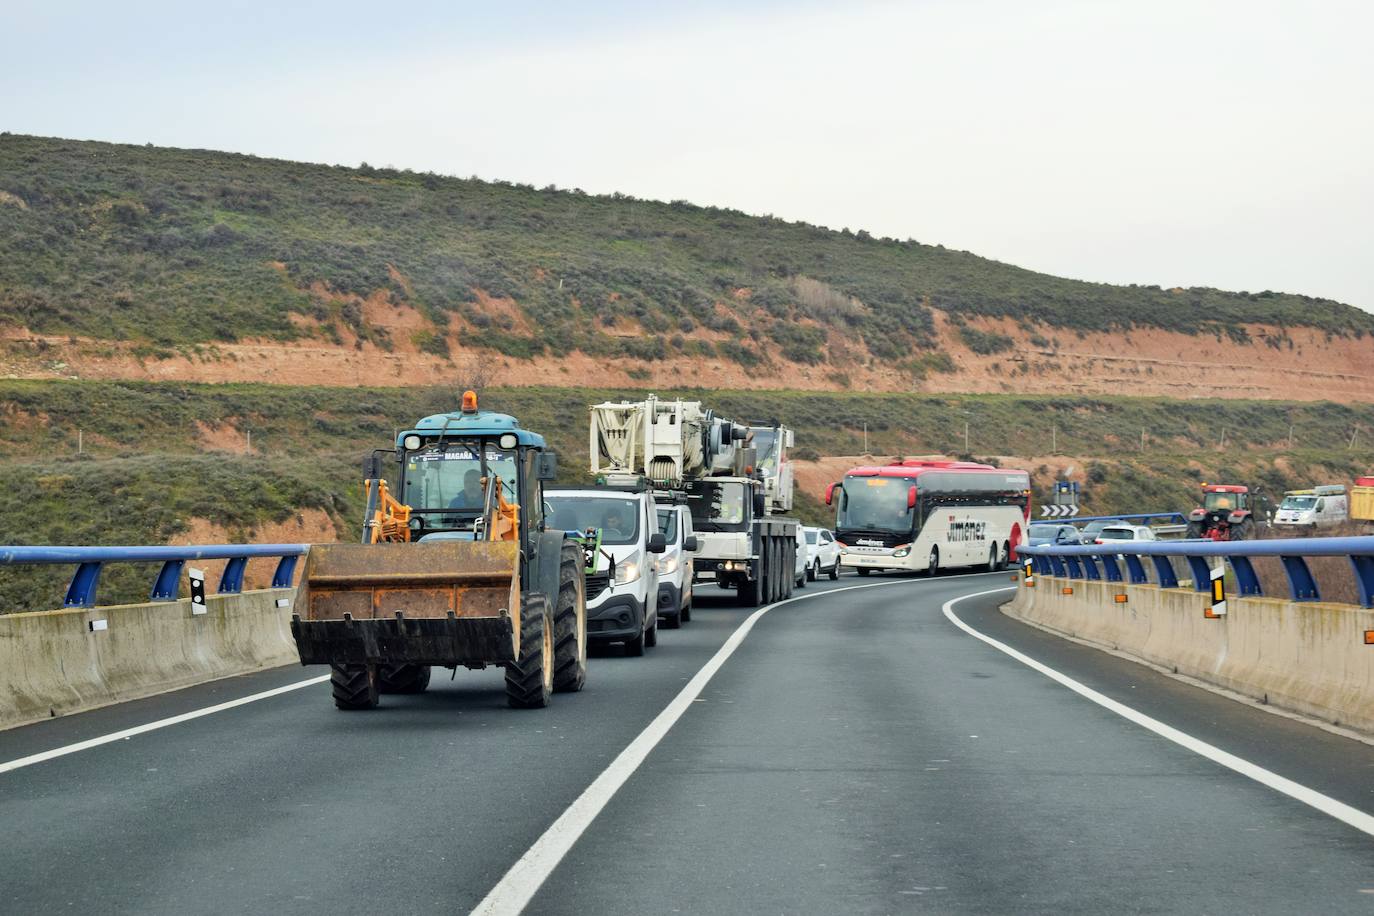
(735, 478)
(459, 570)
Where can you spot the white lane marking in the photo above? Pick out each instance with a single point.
(86, 745)
(518, 886)
(1323, 803)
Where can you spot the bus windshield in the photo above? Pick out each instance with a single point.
(876, 504)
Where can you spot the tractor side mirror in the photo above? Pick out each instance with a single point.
(691, 544)
(657, 542)
(911, 498)
(546, 466)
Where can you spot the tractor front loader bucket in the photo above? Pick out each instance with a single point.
(443, 603)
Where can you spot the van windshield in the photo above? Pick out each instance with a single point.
(618, 518)
(1298, 502)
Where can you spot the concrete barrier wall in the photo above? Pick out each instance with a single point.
(52, 663)
(1305, 657)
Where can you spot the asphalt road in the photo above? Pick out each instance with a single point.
(856, 753)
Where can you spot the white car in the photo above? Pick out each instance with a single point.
(822, 554)
(1125, 533)
(801, 571)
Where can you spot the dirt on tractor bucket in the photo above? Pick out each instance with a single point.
(439, 603)
(367, 581)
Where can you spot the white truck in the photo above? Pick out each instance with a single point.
(1318, 506)
(735, 478)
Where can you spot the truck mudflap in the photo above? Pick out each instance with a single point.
(442, 603)
(448, 641)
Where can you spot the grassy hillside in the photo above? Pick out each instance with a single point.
(177, 247)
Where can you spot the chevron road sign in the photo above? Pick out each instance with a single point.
(1058, 511)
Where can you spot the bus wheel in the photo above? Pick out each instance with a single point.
(993, 565)
(934, 566)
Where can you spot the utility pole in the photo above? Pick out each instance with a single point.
(1290, 437)
(1354, 434)
(865, 437)
(1054, 439)
(966, 437)
(1223, 438)
(80, 440)
(250, 440)
(1142, 438)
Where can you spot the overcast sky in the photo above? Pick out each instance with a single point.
(1178, 142)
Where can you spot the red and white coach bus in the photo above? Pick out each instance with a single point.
(922, 516)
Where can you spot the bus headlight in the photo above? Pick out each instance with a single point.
(627, 570)
(902, 551)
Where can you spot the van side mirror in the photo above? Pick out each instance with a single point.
(691, 544)
(657, 542)
(546, 466)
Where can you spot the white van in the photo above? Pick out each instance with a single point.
(675, 565)
(624, 607)
(1319, 506)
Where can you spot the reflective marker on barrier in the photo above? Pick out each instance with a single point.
(1369, 637)
(98, 625)
(1120, 598)
(1067, 590)
(1218, 606)
(197, 577)
(1028, 571)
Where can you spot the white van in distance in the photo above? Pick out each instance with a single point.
(1319, 506)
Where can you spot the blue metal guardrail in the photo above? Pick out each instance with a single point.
(1081, 562)
(1145, 517)
(90, 560)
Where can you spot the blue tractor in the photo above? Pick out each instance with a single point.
(456, 567)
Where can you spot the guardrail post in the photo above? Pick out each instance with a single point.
(1075, 567)
(81, 592)
(1090, 566)
(286, 571)
(1111, 567)
(1301, 585)
(1364, 578)
(1165, 571)
(1202, 573)
(1136, 569)
(168, 583)
(1248, 583)
(231, 583)
(1057, 564)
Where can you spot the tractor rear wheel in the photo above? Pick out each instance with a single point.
(354, 686)
(529, 679)
(1194, 531)
(402, 678)
(1245, 531)
(570, 622)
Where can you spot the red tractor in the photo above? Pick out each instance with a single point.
(1226, 514)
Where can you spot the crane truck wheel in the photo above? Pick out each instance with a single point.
(570, 623)
(529, 679)
(402, 678)
(354, 686)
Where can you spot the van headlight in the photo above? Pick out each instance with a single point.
(627, 570)
(902, 551)
(668, 565)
